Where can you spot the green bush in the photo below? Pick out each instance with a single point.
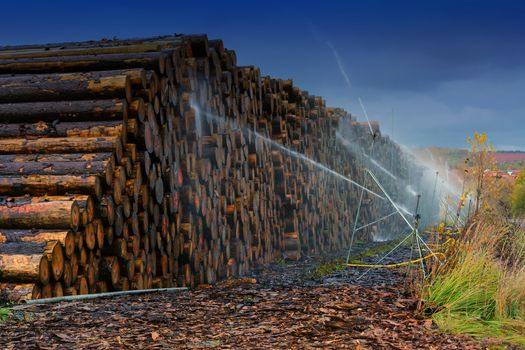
(518, 195)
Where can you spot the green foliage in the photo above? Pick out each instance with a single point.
(5, 313)
(518, 195)
(375, 250)
(328, 268)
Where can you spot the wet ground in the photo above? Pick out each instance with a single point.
(310, 304)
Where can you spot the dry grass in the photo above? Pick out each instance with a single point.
(480, 289)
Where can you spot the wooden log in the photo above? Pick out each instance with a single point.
(123, 284)
(66, 111)
(63, 145)
(71, 291)
(85, 203)
(147, 60)
(31, 261)
(63, 87)
(110, 270)
(55, 168)
(73, 158)
(46, 291)
(66, 238)
(73, 262)
(89, 271)
(118, 248)
(67, 275)
(39, 212)
(81, 285)
(101, 287)
(56, 157)
(52, 185)
(67, 129)
(55, 254)
(105, 46)
(90, 238)
(100, 232)
(107, 209)
(57, 290)
(137, 282)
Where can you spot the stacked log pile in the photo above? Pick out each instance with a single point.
(145, 163)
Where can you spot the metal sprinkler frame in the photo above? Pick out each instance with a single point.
(417, 241)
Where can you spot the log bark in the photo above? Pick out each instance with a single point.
(66, 111)
(55, 255)
(110, 270)
(66, 238)
(65, 129)
(64, 158)
(40, 212)
(58, 291)
(63, 87)
(81, 285)
(30, 262)
(50, 157)
(62, 145)
(91, 48)
(51, 185)
(56, 168)
(147, 60)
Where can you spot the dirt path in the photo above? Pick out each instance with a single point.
(290, 307)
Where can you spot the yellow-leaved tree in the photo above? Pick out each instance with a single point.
(481, 156)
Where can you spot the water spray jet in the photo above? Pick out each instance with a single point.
(288, 151)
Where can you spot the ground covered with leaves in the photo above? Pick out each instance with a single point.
(315, 303)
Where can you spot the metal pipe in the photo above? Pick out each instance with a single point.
(434, 195)
(416, 233)
(389, 199)
(375, 222)
(386, 255)
(355, 225)
(103, 295)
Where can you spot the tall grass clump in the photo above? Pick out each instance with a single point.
(480, 289)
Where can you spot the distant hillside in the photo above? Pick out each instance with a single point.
(455, 157)
(510, 157)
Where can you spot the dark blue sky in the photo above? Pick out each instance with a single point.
(446, 68)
